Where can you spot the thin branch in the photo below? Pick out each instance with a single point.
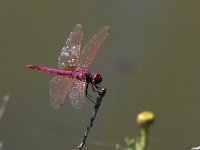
(196, 148)
(4, 105)
(101, 94)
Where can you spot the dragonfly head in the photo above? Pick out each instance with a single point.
(97, 78)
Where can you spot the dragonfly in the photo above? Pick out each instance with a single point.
(73, 74)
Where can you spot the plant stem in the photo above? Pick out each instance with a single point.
(101, 94)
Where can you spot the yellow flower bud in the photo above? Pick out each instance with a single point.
(145, 118)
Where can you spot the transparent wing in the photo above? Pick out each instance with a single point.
(77, 94)
(70, 53)
(89, 51)
(59, 87)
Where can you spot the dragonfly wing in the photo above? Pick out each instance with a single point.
(59, 87)
(70, 53)
(89, 51)
(77, 94)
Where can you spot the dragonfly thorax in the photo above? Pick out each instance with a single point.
(85, 75)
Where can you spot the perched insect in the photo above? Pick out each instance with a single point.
(73, 75)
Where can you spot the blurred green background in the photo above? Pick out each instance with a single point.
(149, 62)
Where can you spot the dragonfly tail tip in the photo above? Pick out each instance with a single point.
(31, 66)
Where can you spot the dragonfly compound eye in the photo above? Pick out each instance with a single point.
(97, 78)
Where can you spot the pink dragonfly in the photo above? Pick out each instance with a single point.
(73, 65)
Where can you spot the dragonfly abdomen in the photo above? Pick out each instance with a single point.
(51, 70)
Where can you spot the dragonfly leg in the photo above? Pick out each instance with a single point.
(98, 87)
(93, 85)
(88, 95)
(102, 87)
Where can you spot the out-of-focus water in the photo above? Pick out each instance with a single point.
(149, 62)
